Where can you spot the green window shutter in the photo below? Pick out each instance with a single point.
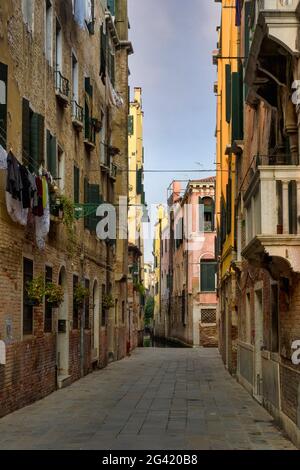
(35, 143)
(228, 91)
(87, 126)
(111, 7)
(237, 106)
(208, 276)
(76, 185)
(3, 106)
(228, 205)
(94, 198)
(130, 125)
(25, 130)
(139, 181)
(88, 87)
(86, 200)
(41, 125)
(51, 154)
(247, 27)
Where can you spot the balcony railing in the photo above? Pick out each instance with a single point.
(272, 212)
(77, 113)
(62, 85)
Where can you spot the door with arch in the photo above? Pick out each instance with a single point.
(62, 345)
(96, 322)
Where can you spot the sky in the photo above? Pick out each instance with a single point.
(172, 62)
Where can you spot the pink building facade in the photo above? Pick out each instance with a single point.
(188, 266)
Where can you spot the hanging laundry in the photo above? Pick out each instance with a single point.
(13, 180)
(42, 224)
(15, 209)
(3, 158)
(45, 191)
(37, 208)
(26, 187)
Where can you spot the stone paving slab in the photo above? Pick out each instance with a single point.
(158, 399)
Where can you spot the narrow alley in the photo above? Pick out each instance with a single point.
(156, 399)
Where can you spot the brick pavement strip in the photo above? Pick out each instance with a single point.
(158, 399)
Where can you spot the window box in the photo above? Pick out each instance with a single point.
(62, 88)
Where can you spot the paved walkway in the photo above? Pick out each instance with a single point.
(157, 399)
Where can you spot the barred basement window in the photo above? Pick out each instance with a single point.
(208, 315)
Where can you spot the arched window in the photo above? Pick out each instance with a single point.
(208, 213)
(208, 270)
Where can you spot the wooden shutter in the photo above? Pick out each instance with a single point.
(228, 91)
(292, 195)
(25, 130)
(139, 181)
(76, 184)
(130, 125)
(34, 143)
(87, 126)
(3, 107)
(51, 154)
(247, 28)
(41, 126)
(237, 106)
(86, 200)
(208, 276)
(94, 198)
(213, 206)
(228, 205)
(88, 87)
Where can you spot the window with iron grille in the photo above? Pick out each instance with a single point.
(208, 315)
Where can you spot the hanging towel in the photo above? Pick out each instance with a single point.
(3, 158)
(26, 187)
(15, 209)
(13, 180)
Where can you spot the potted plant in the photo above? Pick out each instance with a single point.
(54, 294)
(107, 301)
(80, 294)
(35, 290)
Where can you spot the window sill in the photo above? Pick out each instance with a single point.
(88, 143)
(63, 99)
(77, 124)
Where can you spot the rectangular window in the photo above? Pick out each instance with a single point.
(130, 125)
(48, 307)
(51, 154)
(75, 305)
(91, 196)
(237, 107)
(3, 104)
(33, 127)
(28, 13)
(87, 306)
(75, 82)
(111, 7)
(103, 316)
(228, 91)
(208, 275)
(48, 31)
(58, 48)
(27, 304)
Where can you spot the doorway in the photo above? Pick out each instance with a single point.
(258, 344)
(62, 348)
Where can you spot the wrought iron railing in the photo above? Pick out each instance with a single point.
(77, 111)
(62, 83)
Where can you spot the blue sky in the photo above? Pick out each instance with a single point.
(173, 41)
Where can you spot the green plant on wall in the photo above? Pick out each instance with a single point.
(139, 287)
(69, 222)
(80, 294)
(35, 290)
(108, 301)
(54, 294)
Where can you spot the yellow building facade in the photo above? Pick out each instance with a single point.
(228, 136)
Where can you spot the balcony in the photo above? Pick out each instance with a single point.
(273, 28)
(272, 215)
(62, 88)
(77, 115)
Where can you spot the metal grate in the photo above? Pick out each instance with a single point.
(208, 315)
